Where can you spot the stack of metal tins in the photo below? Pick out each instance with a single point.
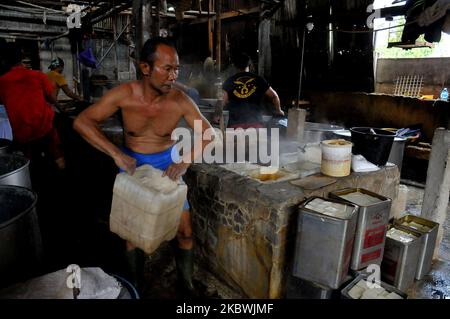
(373, 219)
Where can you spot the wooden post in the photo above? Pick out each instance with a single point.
(210, 29)
(136, 17)
(116, 54)
(142, 21)
(156, 22)
(146, 20)
(265, 51)
(218, 30)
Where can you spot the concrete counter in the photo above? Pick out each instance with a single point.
(245, 230)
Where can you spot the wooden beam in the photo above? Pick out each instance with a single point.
(39, 28)
(110, 12)
(229, 15)
(418, 152)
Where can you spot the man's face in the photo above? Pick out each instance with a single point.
(164, 71)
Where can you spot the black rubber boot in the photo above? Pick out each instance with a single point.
(136, 260)
(185, 269)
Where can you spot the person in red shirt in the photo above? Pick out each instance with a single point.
(26, 95)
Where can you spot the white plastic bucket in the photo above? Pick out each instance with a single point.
(146, 207)
(336, 157)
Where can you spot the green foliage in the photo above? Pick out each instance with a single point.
(391, 53)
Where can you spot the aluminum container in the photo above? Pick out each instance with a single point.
(324, 245)
(14, 170)
(390, 288)
(371, 226)
(399, 263)
(428, 242)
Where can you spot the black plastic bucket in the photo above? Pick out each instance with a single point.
(372, 143)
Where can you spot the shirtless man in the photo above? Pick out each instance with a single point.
(151, 109)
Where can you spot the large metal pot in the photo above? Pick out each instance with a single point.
(5, 146)
(318, 132)
(20, 236)
(14, 170)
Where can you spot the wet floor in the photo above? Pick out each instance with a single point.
(435, 285)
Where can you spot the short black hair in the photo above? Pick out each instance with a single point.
(242, 60)
(150, 47)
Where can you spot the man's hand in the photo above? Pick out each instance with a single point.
(125, 162)
(175, 171)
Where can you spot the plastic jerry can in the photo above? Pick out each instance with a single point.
(146, 207)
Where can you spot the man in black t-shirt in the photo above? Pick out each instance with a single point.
(243, 94)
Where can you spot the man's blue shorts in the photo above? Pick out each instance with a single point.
(161, 160)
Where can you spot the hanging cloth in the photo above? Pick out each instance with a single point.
(87, 56)
(433, 13)
(430, 16)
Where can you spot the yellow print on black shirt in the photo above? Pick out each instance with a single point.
(245, 87)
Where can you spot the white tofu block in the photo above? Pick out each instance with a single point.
(385, 293)
(369, 294)
(393, 295)
(356, 292)
(363, 284)
(376, 291)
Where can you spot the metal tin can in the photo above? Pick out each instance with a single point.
(387, 287)
(428, 242)
(400, 260)
(324, 245)
(371, 226)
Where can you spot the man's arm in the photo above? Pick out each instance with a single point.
(70, 94)
(191, 114)
(273, 96)
(88, 122)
